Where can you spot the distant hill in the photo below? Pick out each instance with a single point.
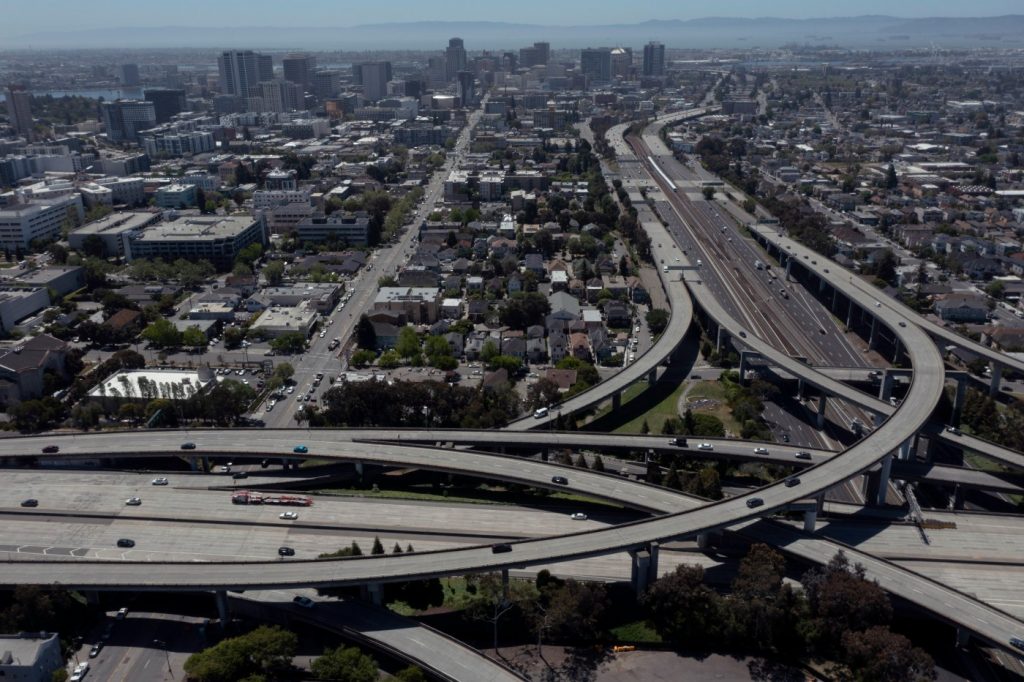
(880, 32)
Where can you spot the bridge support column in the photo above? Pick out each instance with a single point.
(206, 464)
(504, 584)
(997, 375)
(358, 466)
(810, 519)
(222, 608)
(849, 315)
(872, 336)
(883, 480)
(743, 365)
(92, 597)
(616, 400)
(958, 497)
(373, 593)
(640, 570)
(896, 352)
(821, 410)
(719, 339)
(789, 268)
(963, 637)
(905, 449)
(652, 376)
(703, 540)
(958, 401)
(885, 391)
(193, 464)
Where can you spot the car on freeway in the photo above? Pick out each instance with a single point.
(1017, 642)
(678, 442)
(792, 482)
(240, 475)
(760, 451)
(954, 430)
(289, 516)
(188, 446)
(50, 449)
(30, 502)
(133, 501)
(705, 446)
(501, 548)
(95, 650)
(743, 334)
(79, 673)
(126, 542)
(803, 454)
(579, 516)
(754, 502)
(560, 480)
(902, 323)
(122, 613)
(304, 602)
(285, 551)
(301, 449)
(160, 481)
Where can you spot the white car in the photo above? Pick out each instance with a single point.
(122, 613)
(705, 446)
(291, 389)
(288, 516)
(80, 670)
(159, 481)
(579, 516)
(760, 451)
(133, 501)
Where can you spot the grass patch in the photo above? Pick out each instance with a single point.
(983, 463)
(715, 390)
(657, 415)
(637, 632)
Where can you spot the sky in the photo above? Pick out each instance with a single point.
(22, 16)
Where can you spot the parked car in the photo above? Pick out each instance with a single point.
(95, 650)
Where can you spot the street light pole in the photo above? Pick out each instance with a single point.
(162, 644)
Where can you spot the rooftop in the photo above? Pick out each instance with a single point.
(198, 228)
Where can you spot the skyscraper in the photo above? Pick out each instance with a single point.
(454, 59)
(278, 95)
(654, 59)
(299, 68)
(375, 77)
(242, 69)
(166, 102)
(19, 111)
(128, 74)
(467, 88)
(126, 118)
(596, 64)
(536, 55)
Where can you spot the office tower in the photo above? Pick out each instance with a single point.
(454, 59)
(375, 77)
(299, 68)
(128, 74)
(126, 118)
(435, 70)
(654, 59)
(278, 95)
(596, 64)
(242, 69)
(326, 84)
(166, 102)
(467, 88)
(622, 62)
(538, 54)
(19, 111)
(509, 61)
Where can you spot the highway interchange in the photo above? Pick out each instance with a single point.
(679, 520)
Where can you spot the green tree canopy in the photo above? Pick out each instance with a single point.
(345, 664)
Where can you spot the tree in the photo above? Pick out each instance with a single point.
(765, 610)
(709, 193)
(289, 343)
(525, 309)
(162, 333)
(410, 674)
(345, 664)
(284, 371)
(362, 358)
(489, 350)
(265, 650)
(366, 336)
(408, 344)
(840, 599)
(879, 655)
(684, 611)
(193, 337)
(891, 181)
(274, 272)
(378, 546)
(233, 336)
(657, 320)
(543, 393)
(574, 610)
(706, 483)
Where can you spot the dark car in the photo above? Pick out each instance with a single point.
(560, 480)
(31, 502)
(678, 442)
(790, 482)
(264, 463)
(743, 334)
(240, 474)
(126, 542)
(285, 551)
(754, 502)
(301, 449)
(95, 650)
(1017, 642)
(51, 449)
(188, 446)
(501, 548)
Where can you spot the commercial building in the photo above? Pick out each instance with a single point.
(306, 128)
(268, 198)
(326, 83)
(217, 239)
(38, 219)
(415, 304)
(467, 88)
(374, 77)
(319, 296)
(124, 119)
(107, 236)
(19, 111)
(111, 191)
(176, 196)
(241, 70)
(166, 102)
(30, 656)
(278, 95)
(299, 68)
(350, 228)
(537, 55)
(128, 74)
(17, 303)
(277, 321)
(654, 59)
(62, 280)
(179, 144)
(454, 59)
